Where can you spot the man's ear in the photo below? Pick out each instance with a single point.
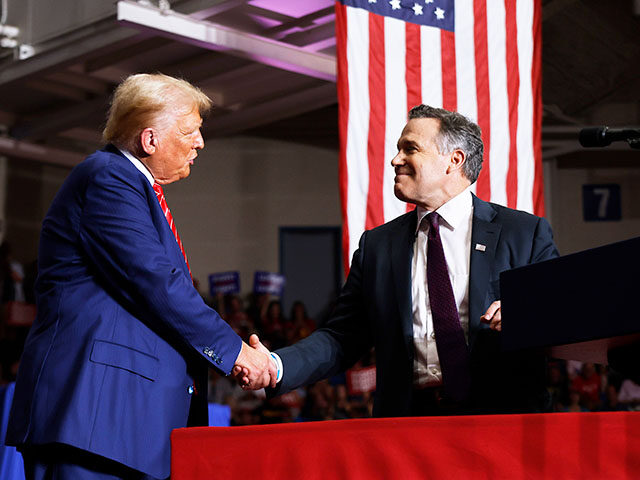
(149, 141)
(456, 160)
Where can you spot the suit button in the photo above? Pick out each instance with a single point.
(190, 390)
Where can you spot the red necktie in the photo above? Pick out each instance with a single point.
(450, 343)
(167, 213)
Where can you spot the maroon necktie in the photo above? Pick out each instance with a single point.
(167, 214)
(452, 347)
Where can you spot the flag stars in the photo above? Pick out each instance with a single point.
(417, 9)
(428, 1)
(439, 13)
(373, 1)
(395, 4)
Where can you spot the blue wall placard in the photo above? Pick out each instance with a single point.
(268, 282)
(224, 282)
(601, 202)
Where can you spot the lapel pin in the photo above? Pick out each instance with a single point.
(480, 247)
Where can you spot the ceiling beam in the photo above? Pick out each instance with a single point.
(216, 9)
(290, 105)
(65, 50)
(86, 83)
(302, 22)
(57, 89)
(200, 68)
(127, 50)
(217, 37)
(39, 153)
(312, 35)
(59, 120)
(87, 135)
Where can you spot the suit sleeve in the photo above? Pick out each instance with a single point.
(338, 344)
(543, 247)
(121, 242)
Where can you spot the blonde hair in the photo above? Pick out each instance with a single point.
(145, 100)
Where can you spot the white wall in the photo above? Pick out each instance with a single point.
(241, 189)
(564, 204)
(30, 189)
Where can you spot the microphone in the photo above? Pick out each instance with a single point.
(603, 136)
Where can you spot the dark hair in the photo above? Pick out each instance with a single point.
(297, 303)
(456, 132)
(272, 304)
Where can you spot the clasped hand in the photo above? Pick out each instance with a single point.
(254, 368)
(493, 316)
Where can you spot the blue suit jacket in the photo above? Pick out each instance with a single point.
(374, 309)
(120, 330)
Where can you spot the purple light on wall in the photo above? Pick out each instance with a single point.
(294, 8)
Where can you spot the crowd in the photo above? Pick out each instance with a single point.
(585, 387)
(572, 386)
(326, 400)
(16, 293)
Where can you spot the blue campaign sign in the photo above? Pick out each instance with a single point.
(224, 282)
(268, 282)
(601, 202)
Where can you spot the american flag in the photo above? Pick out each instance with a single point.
(479, 57)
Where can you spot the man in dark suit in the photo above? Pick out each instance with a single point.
(436, 339)
(112, 362)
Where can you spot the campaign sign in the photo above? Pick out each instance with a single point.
(224, 282)
(361, 380)
(268, 282)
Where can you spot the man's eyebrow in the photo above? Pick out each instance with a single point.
(406, 142)
(192, 128)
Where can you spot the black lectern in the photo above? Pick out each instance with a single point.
(582, 306)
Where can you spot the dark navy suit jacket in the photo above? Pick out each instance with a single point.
(109, 362)
(375, 309)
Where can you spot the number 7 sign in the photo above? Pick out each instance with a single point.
(601, 202)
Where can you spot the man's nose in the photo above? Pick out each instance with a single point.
(199, 142)
(397, 160)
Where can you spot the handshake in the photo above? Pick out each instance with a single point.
(255, 368)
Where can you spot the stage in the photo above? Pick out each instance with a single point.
(558, 446)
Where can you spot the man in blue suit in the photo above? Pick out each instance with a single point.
(113, 362)
(387, 300)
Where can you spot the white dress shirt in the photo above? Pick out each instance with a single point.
(139, 165)
(455, 232)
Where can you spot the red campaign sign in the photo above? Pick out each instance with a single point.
(361, 380)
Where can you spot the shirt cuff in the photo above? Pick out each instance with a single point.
(278, 363)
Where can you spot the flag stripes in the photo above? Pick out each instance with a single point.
(479, 57)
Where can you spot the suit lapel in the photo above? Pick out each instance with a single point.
(484, 239)
(401, 255)
(164, 231)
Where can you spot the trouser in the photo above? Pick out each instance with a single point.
(433, 402)
(63, 462)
